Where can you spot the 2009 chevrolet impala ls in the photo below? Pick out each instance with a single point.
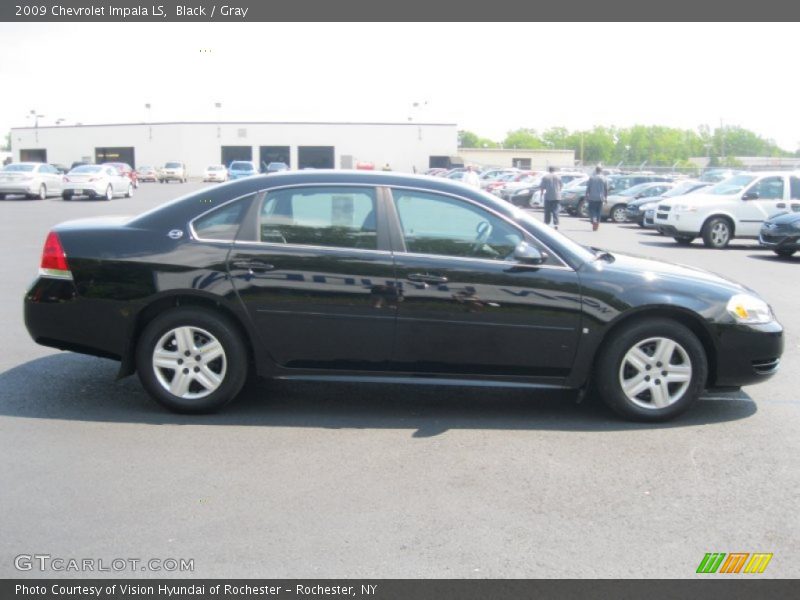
(335, 275)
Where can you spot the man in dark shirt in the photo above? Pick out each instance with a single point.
(551, 194)
(596, 196)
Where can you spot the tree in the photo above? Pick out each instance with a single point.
(7, 145)
(467, 139)
(523, 138)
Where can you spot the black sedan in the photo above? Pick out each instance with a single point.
(781, 233)
(334, 275)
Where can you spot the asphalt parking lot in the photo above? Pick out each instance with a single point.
(312, 480)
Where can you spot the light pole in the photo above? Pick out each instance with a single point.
(36, 116)
(149, 127)
(218, 106)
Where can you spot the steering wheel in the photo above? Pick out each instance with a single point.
(484, 229)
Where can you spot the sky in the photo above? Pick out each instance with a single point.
(489, 78)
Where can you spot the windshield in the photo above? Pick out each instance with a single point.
(18, 168)
(86, 169)
(684, 187)
(241, 166)
(172, 165)
(636, 189)
(732, 185)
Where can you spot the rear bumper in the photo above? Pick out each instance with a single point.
(56, 316)
(747, 354)
(27, 187)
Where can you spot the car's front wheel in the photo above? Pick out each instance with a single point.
(109, 193)
(717, 232)
(619, 213)
(652, 370)
(192, 360)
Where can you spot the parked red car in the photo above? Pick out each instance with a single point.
(126, 170)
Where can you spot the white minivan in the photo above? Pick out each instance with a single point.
(735, 207)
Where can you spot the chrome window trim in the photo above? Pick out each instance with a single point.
(193, 232)
(525, 234)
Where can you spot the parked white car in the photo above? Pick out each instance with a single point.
(215, 173)
(733, 208)
(172, 171)
(32, 179)
(96, 181)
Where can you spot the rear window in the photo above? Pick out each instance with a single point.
(242, 166)
(173, 165)
(18, 168)
(87, 169)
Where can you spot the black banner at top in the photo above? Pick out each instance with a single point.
(393, 10)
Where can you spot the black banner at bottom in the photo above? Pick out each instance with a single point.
(391, 589)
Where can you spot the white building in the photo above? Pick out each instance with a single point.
(521, 159)
(403, 146)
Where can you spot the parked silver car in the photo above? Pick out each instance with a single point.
(96, 181)
(31, 179)
(172, 171)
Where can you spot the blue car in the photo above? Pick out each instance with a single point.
(240, 169)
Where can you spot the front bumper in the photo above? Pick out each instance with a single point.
(747, 354)
(786, 237)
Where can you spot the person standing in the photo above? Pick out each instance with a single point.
(471, 177)
(596, 196)
(551, 194)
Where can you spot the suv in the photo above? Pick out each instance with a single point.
(732, 208)
(172, 171)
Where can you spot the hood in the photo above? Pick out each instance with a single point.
(665, 274)
(785, 218)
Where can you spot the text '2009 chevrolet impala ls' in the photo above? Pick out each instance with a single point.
(336, 275)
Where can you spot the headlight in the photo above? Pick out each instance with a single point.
(749, 309)
(685, 208)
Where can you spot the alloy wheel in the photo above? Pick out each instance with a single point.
(189, 362)
(655, 372)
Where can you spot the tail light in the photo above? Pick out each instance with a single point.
(54, 259)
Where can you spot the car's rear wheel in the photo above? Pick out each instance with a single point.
(66, 196)
(41, 194)
(583, 209)
(129, 193)
(652, 370)
(192, 360)
(683, 240)
(717, 232)
(785, 252)
(109, 193)
(618, 213)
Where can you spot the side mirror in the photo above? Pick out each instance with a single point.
(750, 196)
(526, 254)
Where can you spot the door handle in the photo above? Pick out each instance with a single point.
(425, 278)
(254, 266)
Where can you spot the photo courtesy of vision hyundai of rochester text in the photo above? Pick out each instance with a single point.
(384, 277)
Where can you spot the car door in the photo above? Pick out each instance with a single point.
(759, 202)
(467, 308)
(316, 277)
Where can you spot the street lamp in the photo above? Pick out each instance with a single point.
(150, 127)
(218, 106)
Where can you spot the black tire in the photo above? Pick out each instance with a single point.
(785, 252)
(717, 232)
(618, 213)
(583, 209)
(40, 195)
(66, 196)
(233, 366)
(683, 240)
(611, 368)
(2, 196)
